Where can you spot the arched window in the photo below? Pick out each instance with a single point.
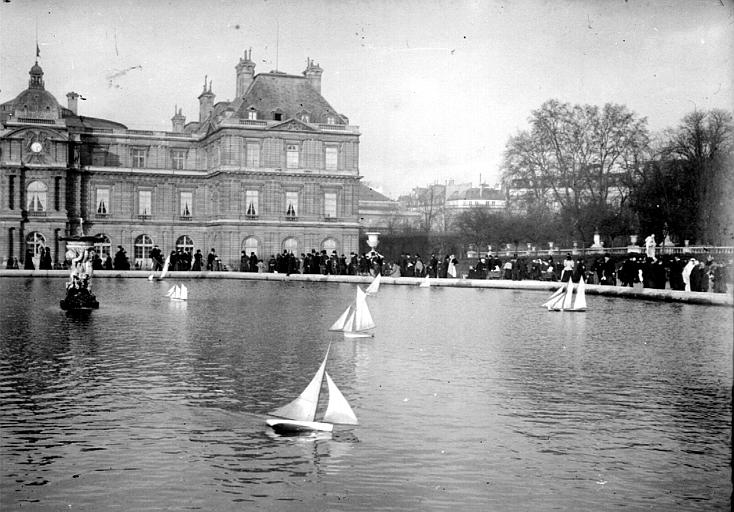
(37, 196)
(103, 247)
(185, 243)
(250, 245)
(141, 250)
(290, 245)
(329, 245)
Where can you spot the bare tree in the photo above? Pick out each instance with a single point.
(574, 159)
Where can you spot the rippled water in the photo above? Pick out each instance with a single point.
(468, 398)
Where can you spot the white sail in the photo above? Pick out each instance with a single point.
(303, 408)
(165, 267)
(580, 302)
(552, 299)
(362, 317)
(374, 286)
(341, 321)
(338, 409)
(151, 276)
(171, 291)
(568, 298)
(184, 294)
(426, 282)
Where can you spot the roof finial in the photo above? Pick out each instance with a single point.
(210, 86)
(205, 77)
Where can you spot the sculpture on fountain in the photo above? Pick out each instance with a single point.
(80, 255)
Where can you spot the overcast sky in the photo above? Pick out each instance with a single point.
(436, 87)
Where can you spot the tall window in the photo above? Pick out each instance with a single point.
(138, 155)
(291, 245)
(37, 196)
(144, 202)
(291, 156)
(250, 245)
(252, 208)
(186, 204)
(11, 192)
(57, 193)
(252, 115)
(291, 204)
(331, 158)
(329, 204)
(103, 247)
(103, 201)
(253, 154)
(178, 157)
(35, 243)
(141, 251)
(330, 120)
(99, 154)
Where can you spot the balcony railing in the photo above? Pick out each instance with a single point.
(185, 217)
(36, 213)
(101, 215)
(251, 216)
(143, 217)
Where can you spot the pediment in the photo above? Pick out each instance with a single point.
(292, 125)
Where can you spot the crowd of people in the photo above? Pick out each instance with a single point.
(677, 271)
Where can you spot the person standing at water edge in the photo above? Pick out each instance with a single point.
(210, 258)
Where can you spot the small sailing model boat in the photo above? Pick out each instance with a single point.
(178, 292)
(566, 302)
(553, 297)
(374, 286)
(356, 320)
(300, 414)
(426, 283)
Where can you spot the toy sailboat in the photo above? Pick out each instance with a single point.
(300, 414)
(178, 292)
(426, 283)
(374, 286)
(356, 320)
(565, 300)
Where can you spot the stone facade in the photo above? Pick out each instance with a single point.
(276, 169)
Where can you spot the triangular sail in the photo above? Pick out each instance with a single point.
(556, 303)
(374, 286)
(362, 317)
(552, 298)
(165, 267)
(341, 321)
(184, 294)
(338, 409)
(568, 298)
(303, 408)
(171, 291)
(580, 302)
(426, 282)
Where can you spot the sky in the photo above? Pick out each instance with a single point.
(437, 87)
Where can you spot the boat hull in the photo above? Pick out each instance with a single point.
(358, 335)
(298, 427)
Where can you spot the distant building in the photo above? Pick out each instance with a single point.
(275, 169)
(380, 213)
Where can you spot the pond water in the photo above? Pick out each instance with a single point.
(470, 398)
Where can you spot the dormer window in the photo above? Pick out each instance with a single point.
(305, 118)
(277, 116)
(330, 120)
(252, 115)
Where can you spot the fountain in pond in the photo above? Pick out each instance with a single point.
(80, 256)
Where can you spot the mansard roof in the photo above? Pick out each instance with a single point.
(287, 94)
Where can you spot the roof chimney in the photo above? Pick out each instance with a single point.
(245, 73)
(178, 120)
(313, 75)
(206, 102)
(72, 101)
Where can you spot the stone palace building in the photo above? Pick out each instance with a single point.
(275, 169)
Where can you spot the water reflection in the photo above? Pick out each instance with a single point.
(472, 398)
